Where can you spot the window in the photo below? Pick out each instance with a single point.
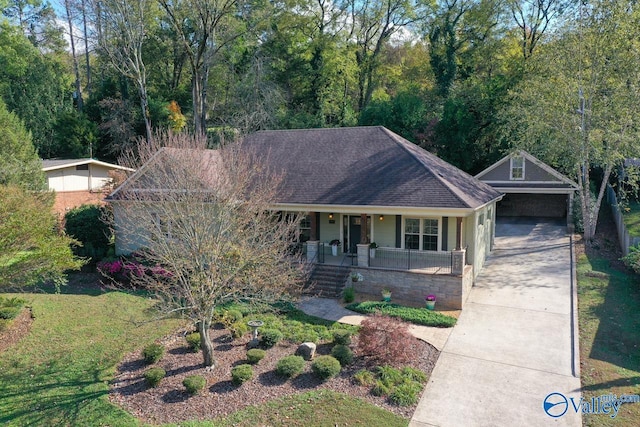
(305, 229)
(421, 234)
(84, 167)
(163, 227)
(517, 168)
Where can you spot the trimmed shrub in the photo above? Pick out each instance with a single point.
(349, 294)
(152, 353)
(241, 374)
(194, 383)
(233, 315)
(364, 378)
(270, 337)
(255, 355)
(341, 336)
(326, 367)
(343, 354)
(154, 375)
(87, 225)
(238, 329)
(290, 366)
(193, 340)
(386, 341)
(406, 393)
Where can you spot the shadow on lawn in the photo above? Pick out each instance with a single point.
(617, 339)
(37, 398)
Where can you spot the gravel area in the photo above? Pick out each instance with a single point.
(170, 403)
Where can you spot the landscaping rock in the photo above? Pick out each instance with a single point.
(307, 350)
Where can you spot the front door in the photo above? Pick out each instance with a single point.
(352, 229)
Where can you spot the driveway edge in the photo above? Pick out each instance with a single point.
(575, 332)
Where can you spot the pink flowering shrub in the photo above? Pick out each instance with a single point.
(123, 271)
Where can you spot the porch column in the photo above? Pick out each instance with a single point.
(363, 255)
(363, 229)
(312, 251)
(458, 233)
(458, 262)
(314, 226)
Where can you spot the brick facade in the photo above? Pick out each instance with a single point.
(65, 201)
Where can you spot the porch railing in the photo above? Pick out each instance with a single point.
(408, 259)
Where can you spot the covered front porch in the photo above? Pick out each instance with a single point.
(432, 243)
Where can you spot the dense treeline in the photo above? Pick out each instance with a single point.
(89, 76)
(468, 79)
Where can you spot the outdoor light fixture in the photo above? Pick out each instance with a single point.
(381, 217)
(330, 216)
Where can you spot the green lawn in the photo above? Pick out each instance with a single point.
(59, 373)
(609, 320)
(631, 217)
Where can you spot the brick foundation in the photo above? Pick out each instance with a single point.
(412, 286)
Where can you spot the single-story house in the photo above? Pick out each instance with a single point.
(361, 185)
(78, 181)
(531, 187)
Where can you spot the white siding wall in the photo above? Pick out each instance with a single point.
(384, 232)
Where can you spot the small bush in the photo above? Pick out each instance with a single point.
(270, 337)
(349, 294)
(194, 383)
(255, 355)
(343, 354)
(342, 336)
(380, 389)
(152, 353)
(233, 315)
(193, 340)
(632, 260)
(9, 313)
(238, 329)
(153, 376)
(241, 374)
(390, 375)
(406, 393)
(326, 367)
(290, 366)
(386, 341)
(364, 378)
(12, 302)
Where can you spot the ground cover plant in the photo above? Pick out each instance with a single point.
(418, 316)
(9, 310)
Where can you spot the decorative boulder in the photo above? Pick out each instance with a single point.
(307, 350)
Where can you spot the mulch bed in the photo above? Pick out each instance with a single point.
(19, 328)
(170, 403)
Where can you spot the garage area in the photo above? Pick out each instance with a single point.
(530, 188)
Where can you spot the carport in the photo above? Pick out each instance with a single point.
(531, 188)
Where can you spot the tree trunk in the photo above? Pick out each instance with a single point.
(206, 344)
(74, 56)
(86, 46)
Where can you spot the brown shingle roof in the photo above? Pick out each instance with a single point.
(364, 166)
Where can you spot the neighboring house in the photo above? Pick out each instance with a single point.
(531, 188)
(78, 181)
(433, 223)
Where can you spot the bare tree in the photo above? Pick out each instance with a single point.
(123, 27)
(74, 56)
(533, 18)
(206, 217)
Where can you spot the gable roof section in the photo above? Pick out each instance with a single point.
(497, 175)
(364, 166)
(54, 164)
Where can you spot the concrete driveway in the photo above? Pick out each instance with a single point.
(514, 342)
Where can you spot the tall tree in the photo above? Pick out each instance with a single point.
(74, 56)
(124, 25)
(205, 27)
(373, 22)
(205, 216)
(577, 108)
